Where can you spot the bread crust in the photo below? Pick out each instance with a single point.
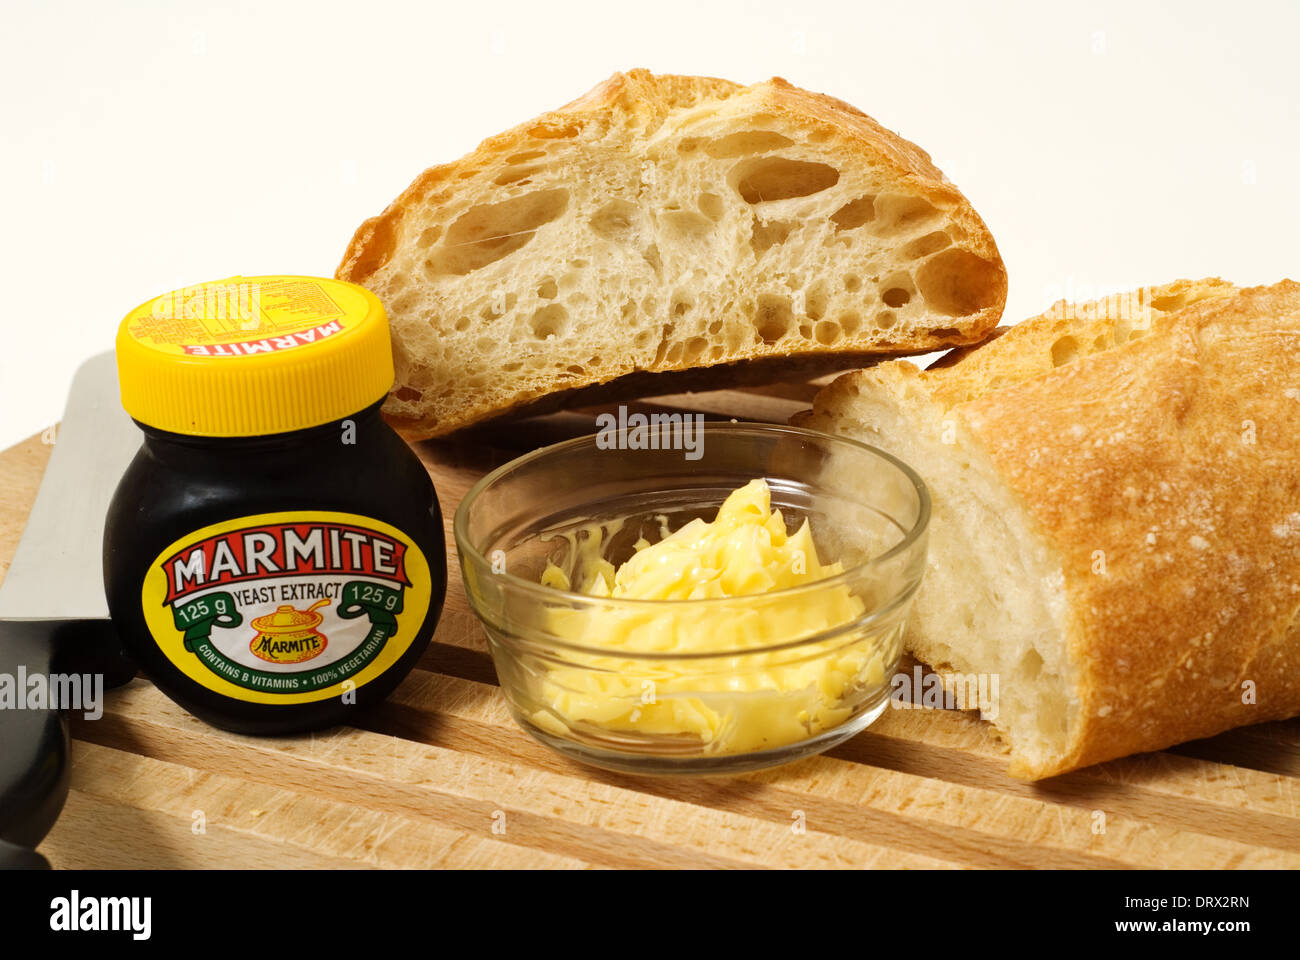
(645, 100)
(1065, 332)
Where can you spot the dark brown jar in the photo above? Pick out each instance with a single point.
(273, 557)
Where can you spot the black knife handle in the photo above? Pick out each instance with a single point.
(14, 857)
(34, 758)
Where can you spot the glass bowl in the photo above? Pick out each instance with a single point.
(706, 686)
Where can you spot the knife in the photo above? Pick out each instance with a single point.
(53, 611)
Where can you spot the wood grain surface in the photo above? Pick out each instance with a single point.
(440, 776)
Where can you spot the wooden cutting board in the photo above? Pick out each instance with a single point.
(440, 776)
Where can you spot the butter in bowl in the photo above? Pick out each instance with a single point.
(731, 610)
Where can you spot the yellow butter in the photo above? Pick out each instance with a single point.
(738, 701)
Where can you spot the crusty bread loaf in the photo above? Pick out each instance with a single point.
(663, 224)
(1116, 526)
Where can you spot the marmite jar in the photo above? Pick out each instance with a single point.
(273, 556)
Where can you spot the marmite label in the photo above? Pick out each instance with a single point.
(287, 607)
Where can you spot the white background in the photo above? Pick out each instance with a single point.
(150, 145)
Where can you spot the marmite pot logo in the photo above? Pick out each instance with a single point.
(289, 635)
(286, 563)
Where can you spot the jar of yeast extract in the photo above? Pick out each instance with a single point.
(273, 556)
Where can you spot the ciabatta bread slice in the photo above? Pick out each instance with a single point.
(1116, 525)
(664, 225)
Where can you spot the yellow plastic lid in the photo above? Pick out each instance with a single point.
(247, 356)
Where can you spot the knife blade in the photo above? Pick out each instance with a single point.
(57, 571)
(53, 610)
